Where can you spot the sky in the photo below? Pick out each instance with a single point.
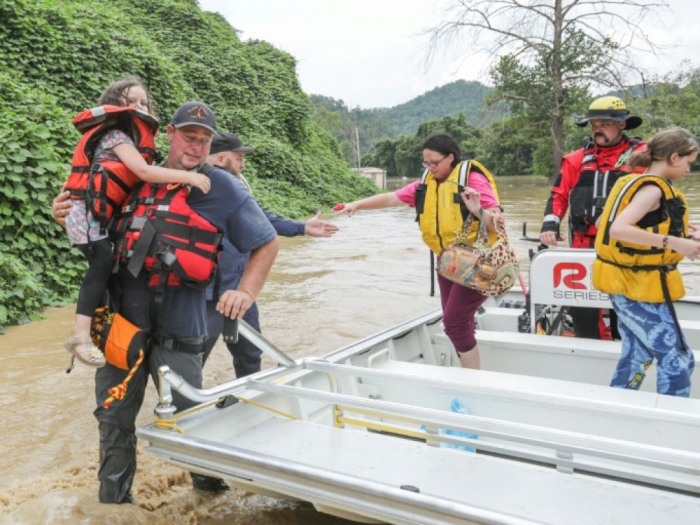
(372, 53)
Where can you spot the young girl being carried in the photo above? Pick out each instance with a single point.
(643, 235)
(106, 166)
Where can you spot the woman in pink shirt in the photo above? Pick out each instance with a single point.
(440, 217)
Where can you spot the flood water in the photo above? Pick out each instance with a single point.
(322, 294)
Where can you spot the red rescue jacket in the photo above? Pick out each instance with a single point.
(587, 176)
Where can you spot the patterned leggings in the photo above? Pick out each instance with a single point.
(649, 332)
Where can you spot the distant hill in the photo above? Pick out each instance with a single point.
(448, 100)
(371, 125)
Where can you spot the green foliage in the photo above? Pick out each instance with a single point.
(35, 142)
(451, 99)
(546, 84)
(508, 147)
(673, 100)
(530, 85)
(59, 55)
(403, 156)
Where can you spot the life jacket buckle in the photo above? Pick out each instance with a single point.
(137, 223)
(167, 258)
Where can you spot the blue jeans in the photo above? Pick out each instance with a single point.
(649, 332)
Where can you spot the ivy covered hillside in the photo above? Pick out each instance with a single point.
(57, 56)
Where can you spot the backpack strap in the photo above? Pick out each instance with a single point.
(420, 194)
(462, 182)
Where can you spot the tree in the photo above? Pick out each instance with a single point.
(672, 100)
(383, 155)
(548, 54)
(403, 156)
(508, 148)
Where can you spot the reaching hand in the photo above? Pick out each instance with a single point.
(349, 208)
(694, 232)
(200, 181)
(686, 247)
(60, 208)
(315, 227)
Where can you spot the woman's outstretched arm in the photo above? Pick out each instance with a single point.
(375, 202)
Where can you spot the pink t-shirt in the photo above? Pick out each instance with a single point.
(476, 181)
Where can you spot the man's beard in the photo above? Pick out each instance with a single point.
(229, 167)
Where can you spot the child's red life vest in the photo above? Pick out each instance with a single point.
(106, 185)
(159, 233)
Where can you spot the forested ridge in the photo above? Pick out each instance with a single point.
(58, 55)
(520, 142)
(376, 124)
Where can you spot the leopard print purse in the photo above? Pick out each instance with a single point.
(490, 270)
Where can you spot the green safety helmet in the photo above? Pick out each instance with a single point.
(613, 108)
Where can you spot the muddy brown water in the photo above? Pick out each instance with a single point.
(322, 294)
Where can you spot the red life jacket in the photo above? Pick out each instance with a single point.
(159, 233)
(106, 185)
(599, 170)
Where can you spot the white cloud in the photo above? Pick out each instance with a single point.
(370, 52)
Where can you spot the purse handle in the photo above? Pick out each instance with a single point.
(482, 236)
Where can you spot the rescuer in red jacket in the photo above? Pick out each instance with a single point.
(586, 178)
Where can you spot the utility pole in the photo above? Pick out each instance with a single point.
(357, 142)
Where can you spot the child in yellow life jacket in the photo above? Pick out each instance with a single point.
(642, 236)
(115, 153)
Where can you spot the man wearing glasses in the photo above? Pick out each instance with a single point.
(586, 178)
(178, 325)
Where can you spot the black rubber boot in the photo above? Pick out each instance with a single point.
(117, 464)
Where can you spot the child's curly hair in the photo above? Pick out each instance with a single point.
(117, 91)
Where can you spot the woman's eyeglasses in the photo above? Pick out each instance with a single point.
(432, 163)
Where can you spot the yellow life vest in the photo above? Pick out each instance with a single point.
(441, 211)
(636, 271)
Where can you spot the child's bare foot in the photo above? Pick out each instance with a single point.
(85, 352)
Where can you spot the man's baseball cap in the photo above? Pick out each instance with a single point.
(194, 114)
(228, 142)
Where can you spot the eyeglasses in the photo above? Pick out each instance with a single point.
(192, 139)
(432, 163)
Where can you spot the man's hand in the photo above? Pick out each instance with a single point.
(60, 208)
(548, 238)
(234, 303)
(549, 234)
(315, 227)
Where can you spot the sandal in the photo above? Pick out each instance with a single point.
(85, 352)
